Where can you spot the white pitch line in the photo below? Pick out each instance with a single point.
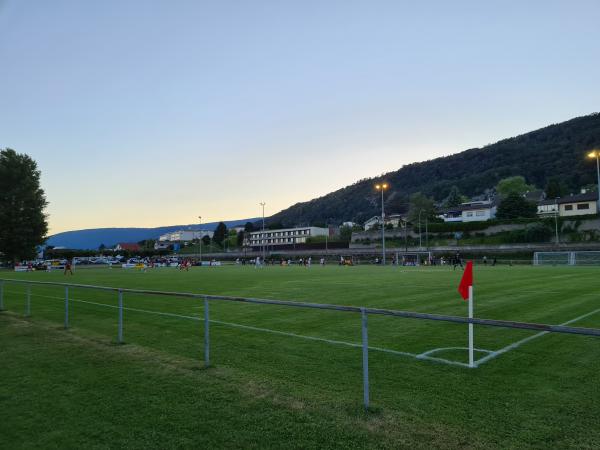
(429, 352)
(529, 338)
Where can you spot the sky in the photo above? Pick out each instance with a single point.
(149, 113)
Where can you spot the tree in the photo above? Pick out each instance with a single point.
(515, 206)
(345, 233)
(454, 198)
(249, 227)
(240, 238)
(147, 244)
(205, 239)
(397, 203)
(555, 188)
(101, 247)
(513, 185)
(419, 202)
(23, 224)
(220, 233)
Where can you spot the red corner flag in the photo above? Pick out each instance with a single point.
(466, 281)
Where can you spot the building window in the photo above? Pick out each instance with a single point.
(568, 207)
(583, 206)
(470, 214)
(479, 213)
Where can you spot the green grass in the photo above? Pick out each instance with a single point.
(542, 394)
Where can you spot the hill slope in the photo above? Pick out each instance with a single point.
(92, 238)
(556, 150)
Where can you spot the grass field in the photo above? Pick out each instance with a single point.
(266, 388)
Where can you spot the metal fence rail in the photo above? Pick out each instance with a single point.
(363, 311)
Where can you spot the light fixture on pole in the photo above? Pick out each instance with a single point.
(596, 154)
(382, 187)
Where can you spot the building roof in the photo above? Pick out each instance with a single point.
(471, 207)
(535, 196)
(267, 230)
(586, 197)
(129, 246)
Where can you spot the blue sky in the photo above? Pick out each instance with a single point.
(144, 113)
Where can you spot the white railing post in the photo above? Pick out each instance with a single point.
(365, 358)
(66, 307)
(471, 338)
(206, 334)
(120, 325)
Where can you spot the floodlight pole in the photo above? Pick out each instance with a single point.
(263, 239)
(420, 242)
(556, 220)
(426, 235)
(598, 176)
(596, 154)
(382, 187)
(200, 239)
(382, 228)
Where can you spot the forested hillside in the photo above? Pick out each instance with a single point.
(554, 151)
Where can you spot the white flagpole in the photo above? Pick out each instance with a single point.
(471, 359)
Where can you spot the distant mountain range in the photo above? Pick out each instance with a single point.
(554, 151)
(93, 238)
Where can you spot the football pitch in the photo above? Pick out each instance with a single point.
(528, 389)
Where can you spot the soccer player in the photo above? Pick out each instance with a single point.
(68, 268)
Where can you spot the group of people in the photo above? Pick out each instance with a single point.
(260, 262)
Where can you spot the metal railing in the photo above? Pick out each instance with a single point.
(363, 311)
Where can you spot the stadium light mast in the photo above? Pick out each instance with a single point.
(596, 154)
(263, 240)
(420, 242)
(556, 219)
(200, 239)
(382, 187)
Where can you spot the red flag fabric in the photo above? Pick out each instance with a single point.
(466, 281)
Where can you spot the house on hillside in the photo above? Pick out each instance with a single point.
(127, 246)
(390, 219)
(185, 235)
(373, 221)
(570, 205)
(475, 211)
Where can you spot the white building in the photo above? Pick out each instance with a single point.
(184, 235)
(570, 205)
(471, 212)
(286, 236)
